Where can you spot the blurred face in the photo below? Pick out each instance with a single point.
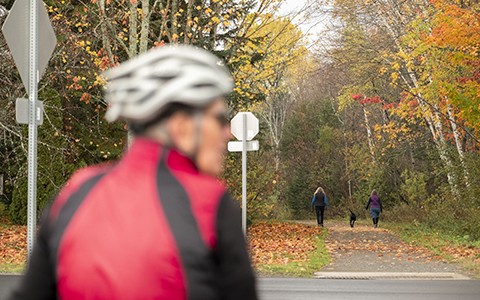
(214, 135)
(202, 136)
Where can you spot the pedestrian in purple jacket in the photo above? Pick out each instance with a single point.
(375, 207)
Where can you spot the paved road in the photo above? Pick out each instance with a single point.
(309, 289)
(6, 284)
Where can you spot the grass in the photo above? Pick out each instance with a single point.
(12, 268)
(316, 260)
(456, 249)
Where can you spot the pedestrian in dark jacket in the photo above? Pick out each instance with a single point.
(320, 203)
(375, 207)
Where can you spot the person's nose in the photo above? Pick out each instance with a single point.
(226, 132)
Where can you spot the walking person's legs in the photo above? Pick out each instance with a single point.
(317, 210)
(322, 210)
(374, 212)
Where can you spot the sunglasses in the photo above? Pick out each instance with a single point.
(223, 118)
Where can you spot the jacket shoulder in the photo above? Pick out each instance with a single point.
(73, 184)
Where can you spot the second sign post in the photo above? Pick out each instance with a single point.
(244, 127)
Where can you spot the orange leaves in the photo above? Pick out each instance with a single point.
(85, 97)
(461, 251)
(280, 243)
(345, 241)
(13, 245)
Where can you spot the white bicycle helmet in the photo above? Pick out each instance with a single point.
(139, 89)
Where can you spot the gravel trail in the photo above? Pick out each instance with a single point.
(367, 249)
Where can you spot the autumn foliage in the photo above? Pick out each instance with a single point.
(13, 245)
(281, 243)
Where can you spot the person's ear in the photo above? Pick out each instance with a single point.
(181, 129)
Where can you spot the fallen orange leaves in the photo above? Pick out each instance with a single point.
(383, 245)
(280, 243)
(13, 244)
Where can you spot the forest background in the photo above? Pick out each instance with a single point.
(385, 95)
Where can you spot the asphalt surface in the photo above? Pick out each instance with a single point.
(7, 282)
(332, 289)
(309, 289)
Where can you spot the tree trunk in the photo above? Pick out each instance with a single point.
(213, 30)
(188, 26)
(173, 21)
(369, 134)
(132, 49)
(275, 114)
(103, 28)
(145, 26)
(163, 31)
(458, 143)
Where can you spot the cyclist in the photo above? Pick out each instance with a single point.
(158, 224)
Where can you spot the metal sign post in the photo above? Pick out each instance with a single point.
(32, 129)
(27, 26)
(244, 175)
(244, 126)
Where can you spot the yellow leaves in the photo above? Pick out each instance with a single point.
(209, 11)
(272, 44)
(394, 77)
(410, 64)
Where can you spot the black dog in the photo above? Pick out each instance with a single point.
(353, 218)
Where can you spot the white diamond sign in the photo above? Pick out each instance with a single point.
(16, 30)
(237, 126)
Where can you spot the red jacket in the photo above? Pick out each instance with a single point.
(150, 227)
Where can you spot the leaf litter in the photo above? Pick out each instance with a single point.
(281, 243)
(13, 244)
(368, 249)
